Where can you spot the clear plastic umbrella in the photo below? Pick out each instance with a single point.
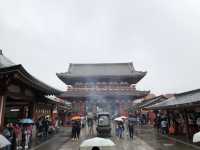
(97, 142)
(119, 119)
(123, 117)
(3, 141)
(196, 137)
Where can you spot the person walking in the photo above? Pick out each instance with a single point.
(131, 123)
(121, 130)
(90, 124)
(164, 126)
(17, 131)
(45, 124)
(131, 128)
(78, 129)
(6, 133)
(24, 137)
(12, 137)
(73, 131)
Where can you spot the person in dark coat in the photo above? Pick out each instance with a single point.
(77, 129)
(46, 126)
(73, 130)
(12, 138)
(131, 124)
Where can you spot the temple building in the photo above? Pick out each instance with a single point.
(24, 96)
(109, 87)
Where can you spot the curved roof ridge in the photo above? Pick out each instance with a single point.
(7, 65)
(4, 61)
(101, 63)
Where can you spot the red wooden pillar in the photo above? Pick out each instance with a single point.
(2, 111)
(54, 114)
(94, 108)
(81, 108)
(118, 106)
(121, 107)
(73, 106)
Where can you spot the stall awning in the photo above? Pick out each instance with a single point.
(185, 99)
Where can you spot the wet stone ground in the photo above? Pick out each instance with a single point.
(145, 139)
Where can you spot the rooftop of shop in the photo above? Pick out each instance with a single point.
(185, 99)
(8, 67)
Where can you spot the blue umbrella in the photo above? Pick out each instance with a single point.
(26, 121)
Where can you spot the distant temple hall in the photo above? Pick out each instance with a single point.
(107, 87)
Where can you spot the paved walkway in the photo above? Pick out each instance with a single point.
(159, 142)
(55, 142)
(145, 139)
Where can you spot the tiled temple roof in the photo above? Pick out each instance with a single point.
(8, 67)
(103, 72)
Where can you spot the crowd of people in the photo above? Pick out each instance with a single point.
(18, 135)
(82, 123)
(42, 127)
(162, 125)
(127, 124)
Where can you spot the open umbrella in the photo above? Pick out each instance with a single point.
(90, 115)
(119, 119)
(97, 142)
(76, 118)
(196, 137)
(123, 117)
(26, 121)
(3, 141)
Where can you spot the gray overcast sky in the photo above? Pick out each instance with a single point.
(161, 37)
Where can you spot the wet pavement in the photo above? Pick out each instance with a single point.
(55, 142)
(145, 139)
(158, 142)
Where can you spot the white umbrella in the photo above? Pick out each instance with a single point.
(3, 141)
(97, 142)
(119, 119)
(196, 137)
(123, 117)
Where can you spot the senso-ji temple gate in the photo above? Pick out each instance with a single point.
(107, 87)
